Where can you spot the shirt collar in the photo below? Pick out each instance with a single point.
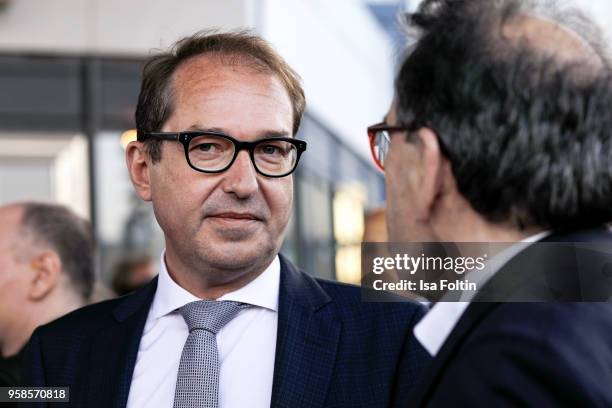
(433, 329)
(262, 291)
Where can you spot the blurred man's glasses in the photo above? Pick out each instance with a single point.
(212, 152)
(380, 140)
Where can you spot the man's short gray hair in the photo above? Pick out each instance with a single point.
(69, 235)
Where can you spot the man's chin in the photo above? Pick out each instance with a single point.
(236, 231)
(232, 255)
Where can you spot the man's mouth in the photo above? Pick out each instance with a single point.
(229, 215)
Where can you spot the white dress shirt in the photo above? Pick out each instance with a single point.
(433, 330)
(247, 344)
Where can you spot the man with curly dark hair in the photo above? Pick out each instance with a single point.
(500, 131)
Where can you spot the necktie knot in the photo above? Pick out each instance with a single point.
(210, 315)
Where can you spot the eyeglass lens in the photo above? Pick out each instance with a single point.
(214, 153)
(381, 146)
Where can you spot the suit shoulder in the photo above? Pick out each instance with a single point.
(91, 317)
(552, 325)
(551, 315)
(355, 298)
(101, 315)
(347, 296)
(539, 351)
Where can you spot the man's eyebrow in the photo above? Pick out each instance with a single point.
(272, 133)
(262, 134)
(199, 128)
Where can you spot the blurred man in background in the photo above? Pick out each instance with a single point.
(46, 271)
(501, 132)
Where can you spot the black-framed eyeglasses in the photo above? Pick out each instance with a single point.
(215, 152)
(380, 140)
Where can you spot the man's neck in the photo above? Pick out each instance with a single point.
(15, 339)
(41, 313)
(503, 234)
(475, 228)
(18, 334)
(202, 286)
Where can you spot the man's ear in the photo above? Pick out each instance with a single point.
(139, 167)
(46, 270)
(432, 163)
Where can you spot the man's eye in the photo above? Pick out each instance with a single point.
(269, 149)
(207, 147)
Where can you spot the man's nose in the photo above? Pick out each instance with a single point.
(241, 178)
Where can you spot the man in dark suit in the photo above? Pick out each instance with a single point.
(228, 322)
(500, 131)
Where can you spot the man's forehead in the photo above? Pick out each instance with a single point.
(210, 95)
(210, 69)
(206, 78)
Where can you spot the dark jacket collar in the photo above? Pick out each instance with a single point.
(307, 340)
(477, 311)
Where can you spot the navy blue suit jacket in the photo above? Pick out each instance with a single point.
(333, 350)
(542, 354)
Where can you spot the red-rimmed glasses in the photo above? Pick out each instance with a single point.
(380, 140)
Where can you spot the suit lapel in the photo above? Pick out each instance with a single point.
(307, 341)
(114, 351)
